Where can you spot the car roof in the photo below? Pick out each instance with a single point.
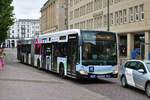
(144, 61)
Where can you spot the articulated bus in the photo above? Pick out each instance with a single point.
(74, 53)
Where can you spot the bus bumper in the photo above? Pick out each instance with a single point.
(92, 76)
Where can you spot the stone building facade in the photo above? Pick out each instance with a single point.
(53, 16)
(22, 28)
(129, 18)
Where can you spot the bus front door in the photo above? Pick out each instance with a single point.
(72, 54)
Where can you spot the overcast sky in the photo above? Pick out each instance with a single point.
(27, 9)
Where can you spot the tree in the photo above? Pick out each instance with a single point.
(6, 18)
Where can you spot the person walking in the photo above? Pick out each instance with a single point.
(2, 62)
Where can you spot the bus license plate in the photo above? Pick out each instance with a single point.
(92, 76)
(101, 76)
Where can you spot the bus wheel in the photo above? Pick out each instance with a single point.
(38, 64)
(61, 71)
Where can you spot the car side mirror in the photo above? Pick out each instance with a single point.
(141, 71)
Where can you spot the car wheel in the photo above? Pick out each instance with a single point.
(147, 90)
(123, 81)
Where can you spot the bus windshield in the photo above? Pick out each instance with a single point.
(99, 48)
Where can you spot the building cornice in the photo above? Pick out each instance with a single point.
(49, 2)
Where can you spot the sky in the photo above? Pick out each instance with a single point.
(27, 9)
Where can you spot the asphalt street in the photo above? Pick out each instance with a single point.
(23, 82)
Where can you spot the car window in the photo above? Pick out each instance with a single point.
(131, 65)
(140, 66)
(127, 64)
(148, 66)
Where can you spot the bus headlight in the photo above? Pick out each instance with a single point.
(83, 72)
(115, 70)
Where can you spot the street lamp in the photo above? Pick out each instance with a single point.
(108, 27)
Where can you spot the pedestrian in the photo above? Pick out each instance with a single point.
(2, 62)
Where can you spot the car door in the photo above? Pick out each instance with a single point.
(129, 67)
(139, 77)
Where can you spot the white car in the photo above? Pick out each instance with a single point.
(136, 73)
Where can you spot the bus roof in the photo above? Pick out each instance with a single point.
(70, 31)
(54, 36)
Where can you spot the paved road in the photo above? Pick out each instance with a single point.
(107, 87)
(112, 89)
(22, 82)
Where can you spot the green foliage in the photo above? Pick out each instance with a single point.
(6, 18)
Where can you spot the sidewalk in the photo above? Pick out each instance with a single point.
(21, 82)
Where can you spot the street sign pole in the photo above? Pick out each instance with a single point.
(108, 27)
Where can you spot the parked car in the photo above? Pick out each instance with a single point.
(136, 73)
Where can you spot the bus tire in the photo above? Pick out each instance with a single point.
(61, 71)
(38, 64)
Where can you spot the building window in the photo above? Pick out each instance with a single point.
(111, 2)
(71, 3)
(71, 15)
(141, 12)
(98, 21)
(77, 25)
(89, 7)
(71, 26)
(124, 16)
(111, 19)
(87, 24)
(91, 23)
(104, 3)
(76, 13)
(116, 18)
(105, 20)
(95, 22)
(136, 11)
(116, 1)
(84, 24)
(97, 4)
(82, 10)
(76, 1)
(81, 25)
(131, 14)
(28, 30)
(120, 17)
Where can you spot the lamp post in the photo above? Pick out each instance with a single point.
(108, 27)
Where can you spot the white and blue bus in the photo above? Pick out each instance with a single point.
(74, 53)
